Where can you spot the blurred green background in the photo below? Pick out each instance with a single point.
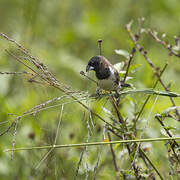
(63, 35)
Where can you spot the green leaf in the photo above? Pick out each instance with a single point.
(133, 67)
(119, 66)
(122, 52)
(170, 127)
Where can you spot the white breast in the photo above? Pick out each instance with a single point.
(108, 84)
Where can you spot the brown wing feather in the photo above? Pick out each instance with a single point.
(106, 64)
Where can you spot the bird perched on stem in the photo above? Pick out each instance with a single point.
(108, 77)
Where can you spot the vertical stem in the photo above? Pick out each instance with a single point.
(113, 154)
(99, 44)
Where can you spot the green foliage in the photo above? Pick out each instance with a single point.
(63, 35)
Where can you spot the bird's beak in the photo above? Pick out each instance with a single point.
(89, 68)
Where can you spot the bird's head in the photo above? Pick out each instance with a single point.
(93, 64)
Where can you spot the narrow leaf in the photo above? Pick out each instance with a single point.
(122, 52)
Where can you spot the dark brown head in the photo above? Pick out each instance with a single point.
(100, 65)
(93, 63)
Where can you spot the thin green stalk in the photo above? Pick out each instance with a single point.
(142, 91)
(144, 154)
(150, 91)
(94, 144)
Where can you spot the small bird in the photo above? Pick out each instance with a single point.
(108, 77)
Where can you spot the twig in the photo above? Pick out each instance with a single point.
(138, 47)
(144, 53)
(99, 44)
(15, 73)
(8, 129)
(129, 62)
(113, 154)
(60, 119)
(32, 59)
(83, 73)
(14, 137)
(141, 23)
(164, 43)
(22, 63)
(97, 164)
(44, 158)
(117, 110)
(13, 41)
(79, 163)
(144, 154)
(109, 129)
(169, 134)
